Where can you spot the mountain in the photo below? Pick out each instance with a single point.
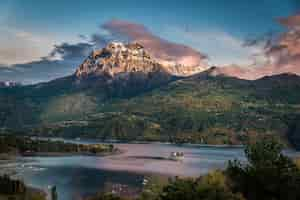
(118, 59)
(120, 92)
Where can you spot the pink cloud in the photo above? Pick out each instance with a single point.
(159, 48)
(291, 22)
(283, 55)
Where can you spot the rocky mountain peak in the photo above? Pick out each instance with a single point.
(118, 58)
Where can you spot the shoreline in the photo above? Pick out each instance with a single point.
(70, 154)
(99, 141)
(108, 141)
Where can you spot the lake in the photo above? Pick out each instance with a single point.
(77, 176)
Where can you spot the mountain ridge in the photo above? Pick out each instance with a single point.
(128, 102)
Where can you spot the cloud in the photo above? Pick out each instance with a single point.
(25, 58)
(61, 61)
(221, 47)
(99, 40)
(286, 51)
(292, 22)
(22, 47)
(67, 51)
(30, 58)
(282, 53)
(159, 48)
(266, 55)
(36, 71)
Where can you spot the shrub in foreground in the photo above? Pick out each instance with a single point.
(268, 174)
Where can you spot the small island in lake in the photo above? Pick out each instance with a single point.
(26, 146)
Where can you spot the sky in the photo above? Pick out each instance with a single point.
(43, 40)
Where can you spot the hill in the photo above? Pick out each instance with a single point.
(111, 99)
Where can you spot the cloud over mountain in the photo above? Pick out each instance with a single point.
(65, 57)
(61, 61)
(281, 52)
(159, 48)
(71, 51)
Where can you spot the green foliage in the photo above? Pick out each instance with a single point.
(268, 174)
(198, 109)
(107, 196)
(71, 106)
(11, 187)
(210, 187)
(15, 189)
(214, 186)
(153, 188)
(179, 189)
(297, 162)
(265, 153)
(27, 145)
(35, 195)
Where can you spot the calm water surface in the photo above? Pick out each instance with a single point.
(78, 176)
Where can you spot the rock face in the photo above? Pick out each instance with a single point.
(121, 70)
(118, 59)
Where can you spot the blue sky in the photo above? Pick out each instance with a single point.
(217, 28)
(69, 17)
(235, 16)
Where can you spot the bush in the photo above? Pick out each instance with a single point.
(210, 187)
(268, 174)
(214, 186)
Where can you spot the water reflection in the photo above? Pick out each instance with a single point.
(77, 176)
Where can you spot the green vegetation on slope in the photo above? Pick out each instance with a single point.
(72, 106)
(198, 109)
(214, 110)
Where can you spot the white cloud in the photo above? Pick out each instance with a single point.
(21, 47)
(221, 47)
